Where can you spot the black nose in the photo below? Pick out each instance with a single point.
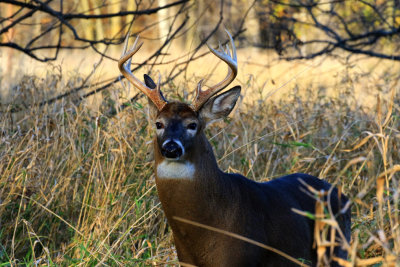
(171, 150)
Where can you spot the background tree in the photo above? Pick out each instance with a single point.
(299, 29)
(295, 29)
(102, 25)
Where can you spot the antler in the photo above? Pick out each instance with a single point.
(155, 95)
(202, 96)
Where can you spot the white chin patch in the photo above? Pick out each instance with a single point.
(175, 170)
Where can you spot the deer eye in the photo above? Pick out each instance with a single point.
(192, 126)
(159, 125)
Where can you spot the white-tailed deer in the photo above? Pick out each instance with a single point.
(191, 186)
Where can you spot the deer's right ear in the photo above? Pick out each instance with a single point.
(149, 82)
(220, 106)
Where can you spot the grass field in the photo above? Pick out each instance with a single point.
(77, 184)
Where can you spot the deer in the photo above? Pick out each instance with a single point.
(192, 188)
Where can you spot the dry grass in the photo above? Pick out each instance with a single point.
(77, 187)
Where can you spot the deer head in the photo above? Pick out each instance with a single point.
(179, 126)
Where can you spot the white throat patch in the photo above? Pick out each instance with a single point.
(175, 170)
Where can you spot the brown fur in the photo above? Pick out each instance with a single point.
(178, 110)
(233, 203)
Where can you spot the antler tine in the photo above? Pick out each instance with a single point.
(231, 60)
(155, 95)
(198, 90)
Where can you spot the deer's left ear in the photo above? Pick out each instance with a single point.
(220, 106)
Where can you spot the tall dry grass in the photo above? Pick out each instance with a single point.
(77, 185)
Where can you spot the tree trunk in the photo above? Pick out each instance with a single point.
(86, 24)
(115, 21)
(163, 23)
(99, 26)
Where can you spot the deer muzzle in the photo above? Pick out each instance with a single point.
(172, 149)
